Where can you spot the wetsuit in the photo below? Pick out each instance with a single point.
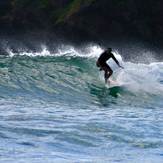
(101, 62)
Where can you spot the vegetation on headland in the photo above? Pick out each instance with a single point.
(93, 18)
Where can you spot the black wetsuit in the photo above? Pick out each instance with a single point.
(101, 62)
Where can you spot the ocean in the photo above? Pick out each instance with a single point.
(56, 107)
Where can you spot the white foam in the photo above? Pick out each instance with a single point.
(63, 50)
(142, 77)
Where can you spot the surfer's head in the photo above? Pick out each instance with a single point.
(109, 49)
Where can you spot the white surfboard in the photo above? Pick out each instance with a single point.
(114, 83)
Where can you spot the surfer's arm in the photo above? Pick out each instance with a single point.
(116, 61)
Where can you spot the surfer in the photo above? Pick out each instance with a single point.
(101, 63)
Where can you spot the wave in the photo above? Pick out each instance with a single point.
(90, 51)
(71, 75)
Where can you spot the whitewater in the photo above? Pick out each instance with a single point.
(55, 107)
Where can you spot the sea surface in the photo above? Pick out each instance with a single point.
(57, 108)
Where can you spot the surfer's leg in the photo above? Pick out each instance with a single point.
(107, 70)
(98, 65)
(108, 73)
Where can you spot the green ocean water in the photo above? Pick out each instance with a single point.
(56, 108)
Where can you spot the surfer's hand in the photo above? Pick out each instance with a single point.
(121, 66)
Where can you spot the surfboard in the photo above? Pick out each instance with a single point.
(114, 83)
(115, 87)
